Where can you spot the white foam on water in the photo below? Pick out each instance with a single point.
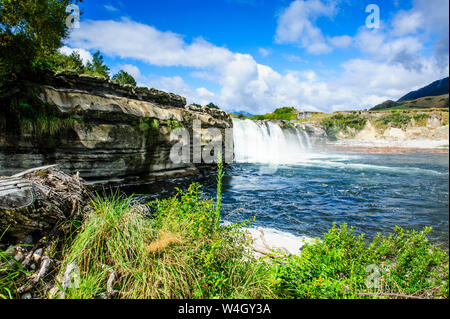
(267, 143)
(279, 239)
(360, 166)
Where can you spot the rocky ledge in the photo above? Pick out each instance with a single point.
(106, 131)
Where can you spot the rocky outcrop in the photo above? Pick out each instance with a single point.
(433, 130)
(98, 85)
(315, 132)
(110, 131)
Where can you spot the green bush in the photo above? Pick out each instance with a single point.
(123, 77)
(212, 106)
(343, 266)
(284, 113)
(61, 62)
(396, 119)
(181, 252)
(421, 117)
(339, 122)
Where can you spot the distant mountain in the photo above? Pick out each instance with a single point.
(439, 87)
(247, 114)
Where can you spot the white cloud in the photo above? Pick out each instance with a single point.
(381, 47)
(85, 55)
(249, 86)
(134, 72)
(427, 20)
(296, 25)
(110, 8)
(129, 39)
(264, 52)
(341, 41)
(177, 85)
(371, 82)
(406, 23)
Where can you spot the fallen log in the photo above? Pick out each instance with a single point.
(33, 202)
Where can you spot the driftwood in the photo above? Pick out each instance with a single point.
(33, 202)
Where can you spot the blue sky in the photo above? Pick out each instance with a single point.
(256, 55)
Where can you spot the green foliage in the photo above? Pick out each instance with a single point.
(146, 124)
(341, 266)
(61, 62)
(420, 118)
(174, 124)
(97, 67)
(284, 113)
(175, 254)
(339, 122)
(220, 174)
(12, 274)
(396, 119)
(30, 31)
(123, 77)
(38, 120)
(212, 106)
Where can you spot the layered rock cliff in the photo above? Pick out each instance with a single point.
(106, 131)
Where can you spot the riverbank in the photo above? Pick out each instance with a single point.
(382, 146)
(177, 248)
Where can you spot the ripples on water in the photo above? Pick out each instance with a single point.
(373, 193)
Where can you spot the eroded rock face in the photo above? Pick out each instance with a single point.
(315, 132)
(115, 131)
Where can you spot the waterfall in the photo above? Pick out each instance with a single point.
(267, 142)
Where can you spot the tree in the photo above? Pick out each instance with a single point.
(97, 66)
(212, 106)
(123, 77)
(62, 62)
(30, 31)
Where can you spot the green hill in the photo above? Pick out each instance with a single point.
(427, 102)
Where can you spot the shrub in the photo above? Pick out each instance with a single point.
(123, 77)
(61, 62)
(421, 118)
(212, 106)
(341, 266)
(179, 253)
(396, 119)
(340, 122)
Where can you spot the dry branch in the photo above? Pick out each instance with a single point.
(37, 200)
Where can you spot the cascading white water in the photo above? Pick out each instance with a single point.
(267, 142)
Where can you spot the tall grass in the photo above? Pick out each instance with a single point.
(176, 254)
(12, 274)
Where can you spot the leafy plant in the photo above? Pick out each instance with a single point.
(178, 253)
(123, 77)
(341, 266)
(97, 67)
(396, 119)
(339, 122)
